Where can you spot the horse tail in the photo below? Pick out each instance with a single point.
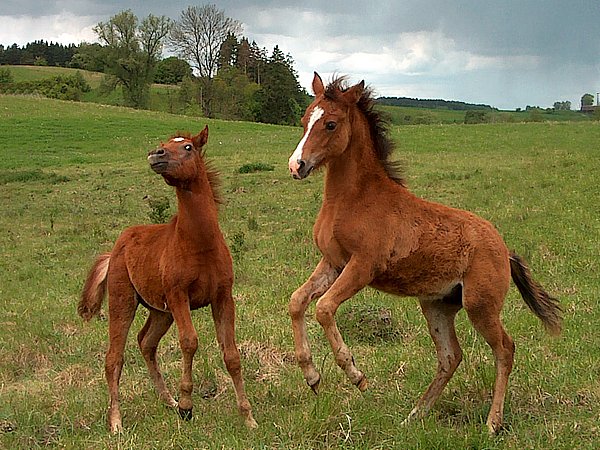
(94, 289)
(545, 307)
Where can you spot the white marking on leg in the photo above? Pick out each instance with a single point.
(316, 114)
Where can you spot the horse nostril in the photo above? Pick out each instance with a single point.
(160, 151)
(301, 164)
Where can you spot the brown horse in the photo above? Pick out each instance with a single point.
(170, 269)
(372, 231)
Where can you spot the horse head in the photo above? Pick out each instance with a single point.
(327, 126)
(179, 159)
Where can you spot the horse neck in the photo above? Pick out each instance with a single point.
(197, 212)
(357, 167)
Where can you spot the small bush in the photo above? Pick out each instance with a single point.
(159, 209)
(474, 117)
(6, 75)
(256, 167)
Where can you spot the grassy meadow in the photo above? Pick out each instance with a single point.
(74, 175)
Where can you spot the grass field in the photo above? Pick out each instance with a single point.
(73, 175)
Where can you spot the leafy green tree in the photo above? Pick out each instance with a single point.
(88, 57)
(233, 95)
(131, 52)
(172, 70)
(587, 100)
(562, 106)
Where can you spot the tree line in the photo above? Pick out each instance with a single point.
(220, 73)
(432, 104)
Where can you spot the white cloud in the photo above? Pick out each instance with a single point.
(64, 28)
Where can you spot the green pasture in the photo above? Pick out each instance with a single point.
(74, 175)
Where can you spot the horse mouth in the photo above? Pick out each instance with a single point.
(159, 166)
(302, 172)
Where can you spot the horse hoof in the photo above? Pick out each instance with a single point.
(362, 384)
(185, 414)
(250, 422)
(315, 386)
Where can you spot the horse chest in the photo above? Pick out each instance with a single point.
(329, 240)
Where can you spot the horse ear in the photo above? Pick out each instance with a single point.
(201, 138)
(317, 85)
(353, 94)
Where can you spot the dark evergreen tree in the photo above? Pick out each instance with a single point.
(280, 99)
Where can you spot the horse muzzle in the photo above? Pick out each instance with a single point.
(158, 160)
(300, 169)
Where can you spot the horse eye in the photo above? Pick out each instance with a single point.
(188, 147)
(330, 125)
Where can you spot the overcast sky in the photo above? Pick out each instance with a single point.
(506, 53)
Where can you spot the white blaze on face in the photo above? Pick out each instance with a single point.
(316, 114)
(178, 139)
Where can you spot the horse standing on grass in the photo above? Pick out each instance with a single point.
(372, 231)
(170, 269)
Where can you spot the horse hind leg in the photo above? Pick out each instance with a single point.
(483, 308)
(440, 315)
(157, 324)
(121, 311)
(223, 311)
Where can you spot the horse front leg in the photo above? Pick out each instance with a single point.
(188, 342)
(355, 276)
(223, 311)
(317, 284)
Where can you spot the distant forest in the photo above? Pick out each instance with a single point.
(432, 104)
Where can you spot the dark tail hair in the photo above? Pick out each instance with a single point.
(539, 301)
(94, 289)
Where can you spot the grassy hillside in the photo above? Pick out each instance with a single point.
(163, 98)
(73, 176)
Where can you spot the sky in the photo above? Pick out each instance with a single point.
(505, 53)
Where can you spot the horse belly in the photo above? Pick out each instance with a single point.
(420, 277)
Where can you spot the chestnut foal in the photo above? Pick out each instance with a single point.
(372, 231)
(170, 269)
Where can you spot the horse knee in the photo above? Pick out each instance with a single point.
(296, 306)
(324, 314)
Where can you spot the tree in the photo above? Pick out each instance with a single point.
(131, 52)
(280, 99)
(562, 106)
(172, 70)
(198, 35)
(587, 100)
(228, 53)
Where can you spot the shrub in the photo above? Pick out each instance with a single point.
(6, 75)
(256, 167)
(474, 117)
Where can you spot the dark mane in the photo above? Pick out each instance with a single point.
(213, 175)
(379, 124)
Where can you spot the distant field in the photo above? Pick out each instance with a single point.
(74, 175)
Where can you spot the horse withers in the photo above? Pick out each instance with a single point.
(170, 269)
(372, 231)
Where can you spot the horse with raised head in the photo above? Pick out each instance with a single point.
(170, 269)
(372, 231)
